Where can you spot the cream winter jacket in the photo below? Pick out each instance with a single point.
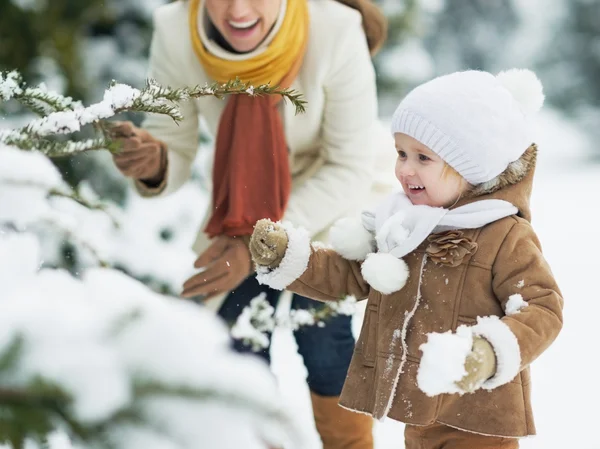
(333, 146)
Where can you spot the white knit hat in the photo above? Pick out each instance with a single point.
(475, 121)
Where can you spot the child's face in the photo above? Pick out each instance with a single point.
(421, 173)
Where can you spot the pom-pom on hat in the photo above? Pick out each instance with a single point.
(476, 122)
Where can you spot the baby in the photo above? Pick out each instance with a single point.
(460, 298)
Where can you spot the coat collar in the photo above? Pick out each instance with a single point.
(513, 185)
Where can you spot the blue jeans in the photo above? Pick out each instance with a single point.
(326, 350)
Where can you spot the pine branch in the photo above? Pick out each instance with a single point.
(83, 202)
(232, 87)
(151, 389)
(78, 241)
(69, 233)
(122, 324)
(153, 97)
(12, 353)
(70, 194)
(45, 401)
(41, 403)
(32, 412)
(10, 85)
(42, 102)
(62, 116)
(39, 100)
(54, 148)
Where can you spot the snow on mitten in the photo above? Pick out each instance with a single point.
(268, 243)
(480, 365)
(455, 362)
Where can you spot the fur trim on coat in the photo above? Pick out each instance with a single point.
(513, 174)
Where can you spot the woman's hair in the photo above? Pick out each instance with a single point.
(375, 23)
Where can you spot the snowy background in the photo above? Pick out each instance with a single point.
(560, 39)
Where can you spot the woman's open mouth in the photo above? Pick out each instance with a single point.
(242, 29)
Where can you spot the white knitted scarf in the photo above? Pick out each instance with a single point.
(400, 227)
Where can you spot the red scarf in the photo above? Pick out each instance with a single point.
(251, 172)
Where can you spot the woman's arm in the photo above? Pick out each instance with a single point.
(349, 122)
(180, 138)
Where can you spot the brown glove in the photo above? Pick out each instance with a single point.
(142, 156)
(480, 365)
(268, 243)
(226, 265)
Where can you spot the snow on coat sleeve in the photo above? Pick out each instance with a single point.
(330, 277)
(520, 268)
(349, 123)
(181, 138)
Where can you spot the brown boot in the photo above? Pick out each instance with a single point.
(340, 428)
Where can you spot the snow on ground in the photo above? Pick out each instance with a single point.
(566, 210)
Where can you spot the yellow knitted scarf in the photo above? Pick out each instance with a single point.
(270, 66)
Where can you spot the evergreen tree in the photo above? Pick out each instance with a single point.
(571, 64)
(395, 76)
(471, 34)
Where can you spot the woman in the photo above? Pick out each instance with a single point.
(309, 169)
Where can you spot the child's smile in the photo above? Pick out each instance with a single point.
(414, 189)
(417, 193)
(424, 176)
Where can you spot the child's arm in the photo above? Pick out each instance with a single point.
(285, 259)
(499, 348)
(527, 290)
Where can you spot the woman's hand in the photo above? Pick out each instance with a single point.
(143, 157)
(226, 264)
(268, 243)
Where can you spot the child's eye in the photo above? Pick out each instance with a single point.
(401, 154)
(423, 158)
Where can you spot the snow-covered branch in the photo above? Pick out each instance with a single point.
(113, 364)
(94, 352)
(232, 87)
(53, 148)
(258, 319)
(35, 198)
(102, 357)
(39, 99)
(31, 192)
(62, 116)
